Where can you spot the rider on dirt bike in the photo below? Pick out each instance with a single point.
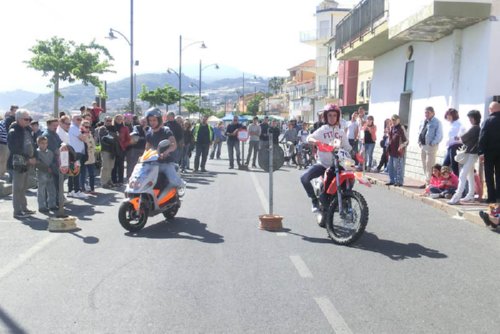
(154, 136)
(326, 134)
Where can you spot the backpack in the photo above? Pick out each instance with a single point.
(3, 132)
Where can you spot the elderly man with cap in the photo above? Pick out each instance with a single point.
(21, 161)
(489, 152)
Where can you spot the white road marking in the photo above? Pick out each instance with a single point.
(17, 262)
(301, 266)
(332, 315)
(281, 234)
(260, 192)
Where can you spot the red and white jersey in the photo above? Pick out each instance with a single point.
(326, 134)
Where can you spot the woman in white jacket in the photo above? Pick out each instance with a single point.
(325, 134)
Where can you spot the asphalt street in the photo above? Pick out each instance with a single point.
(211, 270)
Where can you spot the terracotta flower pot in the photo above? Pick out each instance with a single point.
(270, 222)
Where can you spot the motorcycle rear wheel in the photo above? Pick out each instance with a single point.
(344, 228)
(170, 213)
(130, 219)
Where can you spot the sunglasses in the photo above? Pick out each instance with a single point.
(87, 127)
(27, 119)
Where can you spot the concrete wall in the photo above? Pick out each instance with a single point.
(455, 71)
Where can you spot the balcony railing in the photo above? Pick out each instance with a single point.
(359, 20)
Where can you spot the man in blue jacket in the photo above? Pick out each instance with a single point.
(430, 135)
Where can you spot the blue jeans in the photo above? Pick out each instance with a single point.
(313, 172)
(449, 159)
(236, 145)
(83, 175)
(168, 169)
(395, 168)
(186, 152)
(369, 147)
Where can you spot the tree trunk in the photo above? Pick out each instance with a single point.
(56, 97)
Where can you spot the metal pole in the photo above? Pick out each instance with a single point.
(199, 88)
(243, 101)
(271, 169)
(132, 102)
(60, 212)
(180, 74)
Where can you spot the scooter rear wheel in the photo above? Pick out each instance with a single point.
(130, 219)
(170, 213)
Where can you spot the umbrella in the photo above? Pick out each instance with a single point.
(213, 119)
(229, 117)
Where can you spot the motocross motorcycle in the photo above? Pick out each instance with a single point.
(343, 211)
(148, 192)
(305, 157)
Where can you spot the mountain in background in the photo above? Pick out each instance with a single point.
(118, 92)
(19, 97)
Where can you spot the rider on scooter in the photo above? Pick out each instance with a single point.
(154, 136)
(325, 134)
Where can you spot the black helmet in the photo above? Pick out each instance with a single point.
(155, 112)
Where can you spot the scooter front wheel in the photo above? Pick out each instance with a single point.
(131, 219)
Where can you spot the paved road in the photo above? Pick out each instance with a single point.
(211, 270)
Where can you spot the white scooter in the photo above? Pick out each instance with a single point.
(148, 192)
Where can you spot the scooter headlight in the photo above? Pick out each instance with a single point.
(134, 184)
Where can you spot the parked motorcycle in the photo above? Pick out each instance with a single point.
(343, 211)
(305, 157)
(148, 192)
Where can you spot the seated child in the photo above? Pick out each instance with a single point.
(433, 187)
(493, 218)
(443, 182)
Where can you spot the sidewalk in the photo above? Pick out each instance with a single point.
(469, 211)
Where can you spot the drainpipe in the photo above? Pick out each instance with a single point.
(456, 62)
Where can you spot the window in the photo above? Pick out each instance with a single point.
(408, 84)
(368, 88)
(362, 89)
(341, 92)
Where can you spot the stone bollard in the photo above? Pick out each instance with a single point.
(62, 224)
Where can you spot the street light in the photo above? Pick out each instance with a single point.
(202, 46)
(130, 42)
(199, 79)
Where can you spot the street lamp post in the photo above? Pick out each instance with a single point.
(131, 44)
(199, 79)
(203, 46)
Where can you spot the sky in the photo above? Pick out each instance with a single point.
(258, 37)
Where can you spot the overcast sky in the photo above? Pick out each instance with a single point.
(260, 37)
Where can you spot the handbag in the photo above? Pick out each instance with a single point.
(19, 163)
(460, 156)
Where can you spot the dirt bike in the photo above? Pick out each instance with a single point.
(343, 211)
(305, 156)
(148, 193)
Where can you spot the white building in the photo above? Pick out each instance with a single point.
(426, 53)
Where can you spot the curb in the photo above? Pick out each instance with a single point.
(452, 210)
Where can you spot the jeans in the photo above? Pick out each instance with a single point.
(449, 159)
(466, 176)
(253, 146)
(354, 145)
(19, 189)
(118, 169)
(492, 176)
(395, 169)
(168, 169)
(186, 152)
(201, 150)
(74, 181)
(46, 192)
(384, 159)
(90, 168)
(369, 147)
(108, 161)
(236, 145)
(216, 148)
(313, 172)
(133, 156)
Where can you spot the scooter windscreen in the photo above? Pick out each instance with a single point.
(143, 176)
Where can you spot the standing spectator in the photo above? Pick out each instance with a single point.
(471, 141)
(21, 160)
(77, 142)
(63, 128)
(46, 164)
(203, 136)
(4, 147)
(353, 134)
(489, 150)
(396, 150)
(35, 130)
(188, 146)
(291, 138)
(233, 142)
(362, 117)
(320, 122)
(219, 138)
(264, 133)
(53, 144)
(138, 144)
(108, 140)
(275, 132)
(430, 135)
(254, 132)
(176, 129)
(96, 112)
(384, 158)
(455, 130)
(369, 140)
(117, 174)
(89, 164)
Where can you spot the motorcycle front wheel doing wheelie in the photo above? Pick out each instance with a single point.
(130, 219)
(347, 226)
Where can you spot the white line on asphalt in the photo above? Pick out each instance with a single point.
(260, 192)
(301, 266)
(281, 234)
(333, 316)
(13, 265)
